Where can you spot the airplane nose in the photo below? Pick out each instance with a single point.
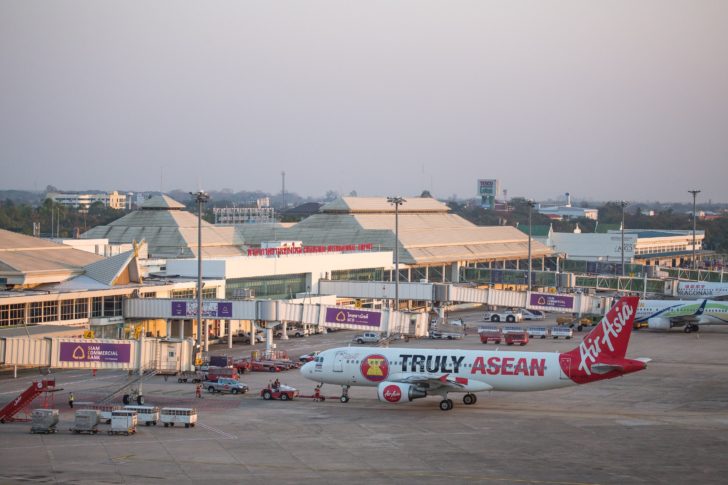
(306, 368)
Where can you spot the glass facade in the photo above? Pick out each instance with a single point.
(365, 274)
(274, 287)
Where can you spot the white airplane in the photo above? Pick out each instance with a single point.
(701, 289)
(404, 374)
(690, 314)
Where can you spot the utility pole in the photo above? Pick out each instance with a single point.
(200, 197)
(695, 218)
(624, 204)
(530, 210)
(397, 201)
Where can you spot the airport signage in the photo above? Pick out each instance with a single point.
(210, 309)
(331, 248)
(351, 316)
(553, 301)
(94, 352)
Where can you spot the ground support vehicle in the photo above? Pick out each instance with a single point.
(513, 338)
(264, 366)
(215, 373)
(86, 421)
(149, 415)
(509, 316)
(172, 416)
(532, 314)
(242, 365)
(537, 332)
(104, 410)
(436, 334)
(124, 422)
(190, 376)
(282, 392)
(491, 336)
(565, 332)
(225, 385)
(44, 421)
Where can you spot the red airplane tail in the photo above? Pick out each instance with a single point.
(601, 354)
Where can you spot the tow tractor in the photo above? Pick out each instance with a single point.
(282, 392)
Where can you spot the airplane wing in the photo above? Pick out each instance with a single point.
(431, 382)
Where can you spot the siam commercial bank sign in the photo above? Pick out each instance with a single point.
(352, 316)
(553, 301)
(94, 352)
(210, 309)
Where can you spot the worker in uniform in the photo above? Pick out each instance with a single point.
(317, 393)
(198, 391)
(70, 400)
(276, 384)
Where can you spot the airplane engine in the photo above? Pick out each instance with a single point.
(394, 392)
(659, 323)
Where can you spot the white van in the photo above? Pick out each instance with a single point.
(540, 332)
(565, 332)
(532, 314)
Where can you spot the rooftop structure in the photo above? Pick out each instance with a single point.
(169, 231)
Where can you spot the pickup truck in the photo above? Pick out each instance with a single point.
(224, 385)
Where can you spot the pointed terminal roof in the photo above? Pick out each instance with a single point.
(170, 232)
(110, 269)
(161, 202)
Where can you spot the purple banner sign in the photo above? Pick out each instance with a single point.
(94, 352)
(553, 301)
(210, 309)
(353, 317)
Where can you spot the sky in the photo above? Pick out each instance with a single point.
(605, 100)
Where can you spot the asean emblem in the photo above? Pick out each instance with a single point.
(374, 368)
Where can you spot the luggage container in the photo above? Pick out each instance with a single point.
(172, 416)
(44, 421)
(104, 410)
(565, 332)
(149, 415)
(123, 421)
(540, 332)
(86, 421)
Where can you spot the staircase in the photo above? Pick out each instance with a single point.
(22, 402)
(136, 380)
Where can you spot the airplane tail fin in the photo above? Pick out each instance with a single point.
(601, 354)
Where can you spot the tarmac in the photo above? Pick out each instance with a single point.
(667, 424)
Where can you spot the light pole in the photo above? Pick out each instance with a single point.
(624, 204)
(200, 197)
(530, 210)
(397, 201)
(695, 217)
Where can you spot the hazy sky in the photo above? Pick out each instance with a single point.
(606, 100)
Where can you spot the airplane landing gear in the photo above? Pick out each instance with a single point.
(469, 399)
(344, 394)
(446, 404)
(691, 327)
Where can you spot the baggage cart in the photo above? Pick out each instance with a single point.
(172, 416)
(190, 376)
(149, 415)
(86, 421)
(123, 421)
(44, 421)
(104, 410)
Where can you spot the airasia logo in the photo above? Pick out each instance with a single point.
(392, 393)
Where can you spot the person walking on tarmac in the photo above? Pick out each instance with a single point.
(70, 400)
(198, 391)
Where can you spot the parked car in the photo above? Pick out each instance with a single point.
(309, 357)
(533, 314)
(367, 338)
(245, 337)
(225, 385)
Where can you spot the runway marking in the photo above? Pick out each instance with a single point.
(218, 431)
